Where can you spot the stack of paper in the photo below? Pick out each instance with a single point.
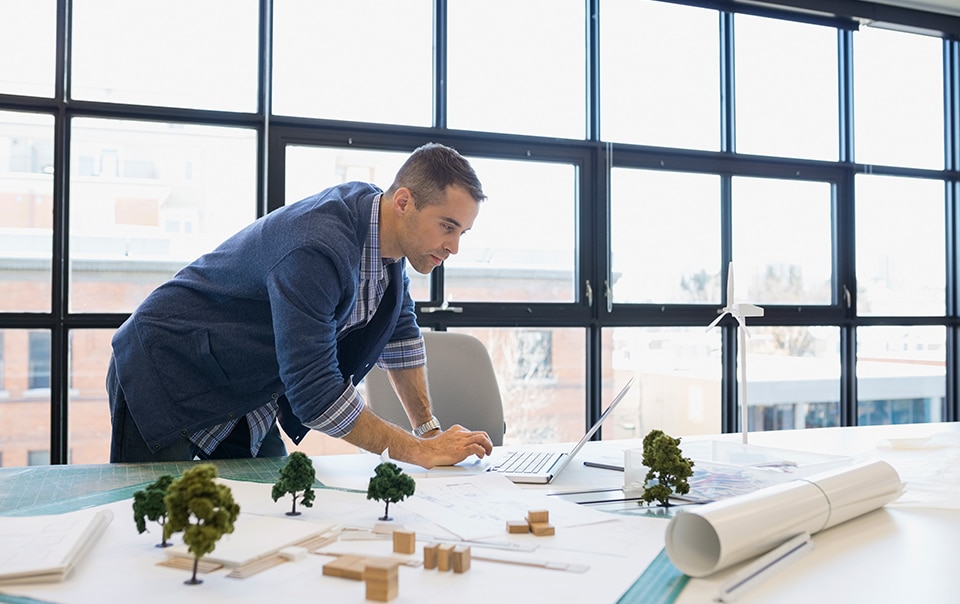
(47, 548)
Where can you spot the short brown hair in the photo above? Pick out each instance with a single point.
(432, 168)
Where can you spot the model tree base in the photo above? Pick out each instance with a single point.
(193, 581)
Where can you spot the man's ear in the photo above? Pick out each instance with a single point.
(402, 199)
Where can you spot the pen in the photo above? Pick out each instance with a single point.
(765, 566)
(604, 466)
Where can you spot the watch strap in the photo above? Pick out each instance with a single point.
(425, 427)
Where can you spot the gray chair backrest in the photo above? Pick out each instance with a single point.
(463, 386)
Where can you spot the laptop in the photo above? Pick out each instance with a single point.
(541, 467)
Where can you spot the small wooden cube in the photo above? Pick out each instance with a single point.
(461, 559)
(518, 526)
(380, 569)
(541, 529)
(430, 556)
(348, 567)
(382, 579)
(444, 555)
(538, 516)
(404, 542)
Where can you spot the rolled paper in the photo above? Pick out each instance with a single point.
(701, 541)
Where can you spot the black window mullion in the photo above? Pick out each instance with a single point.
(727, 83)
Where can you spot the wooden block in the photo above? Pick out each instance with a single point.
(382, 579)
(541, 529)
(257, 566)
(538, 516)
(380, 569)
(204, 566)
(382, 593)
(430, 556)
(518, 526)
(444, 555)
(404, 542)
(348, 567)
(461, 559)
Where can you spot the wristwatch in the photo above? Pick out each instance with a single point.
(422, 429)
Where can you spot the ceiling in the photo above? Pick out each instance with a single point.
(947, 7)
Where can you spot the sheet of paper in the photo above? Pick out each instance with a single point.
(479, 506)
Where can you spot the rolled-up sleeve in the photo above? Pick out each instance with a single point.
(403, 354)
(338, 419)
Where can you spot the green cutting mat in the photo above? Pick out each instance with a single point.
(661, 583)
(38, 490)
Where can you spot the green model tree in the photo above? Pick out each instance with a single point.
(148, 505)
(667, 468)
(295, 476)
(196, 495)
(390, 485)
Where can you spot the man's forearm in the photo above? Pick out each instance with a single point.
(374, 434)
(411, 387)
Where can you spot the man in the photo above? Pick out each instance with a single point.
(282, 321)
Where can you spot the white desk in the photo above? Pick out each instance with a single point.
(905, 552)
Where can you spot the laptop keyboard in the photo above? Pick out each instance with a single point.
(524, 462)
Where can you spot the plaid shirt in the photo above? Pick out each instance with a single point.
(338, 419)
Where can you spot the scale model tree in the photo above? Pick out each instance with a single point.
(390, 485)
(148, 505)
(295, 476)
(196, 495)
(668, 469)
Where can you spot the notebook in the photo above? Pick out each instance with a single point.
(540, 467)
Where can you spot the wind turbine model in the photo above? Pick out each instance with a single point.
(739, 311)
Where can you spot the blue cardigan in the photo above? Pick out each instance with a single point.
(257, 319)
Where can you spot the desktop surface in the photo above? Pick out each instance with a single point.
(906, 551)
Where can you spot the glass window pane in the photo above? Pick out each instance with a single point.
(786, 88)
(24, 409)
(499, 259)
(28, 47)
(505, 74)
(782, 265)
(147, 198)
(900, 246)
(522, 248)
(541, 376)
(901, 374)
(26, 211)
(320, 47)
(898, 98)
(177, 53)
(678, 380)
(643, 46)
(89, 427)
(665, 237)
(793, 377)
(310, 170)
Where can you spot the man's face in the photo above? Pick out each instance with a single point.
(430, 235)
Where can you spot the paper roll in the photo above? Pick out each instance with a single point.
(703, 540)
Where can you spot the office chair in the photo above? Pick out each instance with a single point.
(463, 386)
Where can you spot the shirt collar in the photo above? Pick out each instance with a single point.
(371, 263)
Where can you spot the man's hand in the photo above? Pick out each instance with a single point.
(453, 445)
(435, 448)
